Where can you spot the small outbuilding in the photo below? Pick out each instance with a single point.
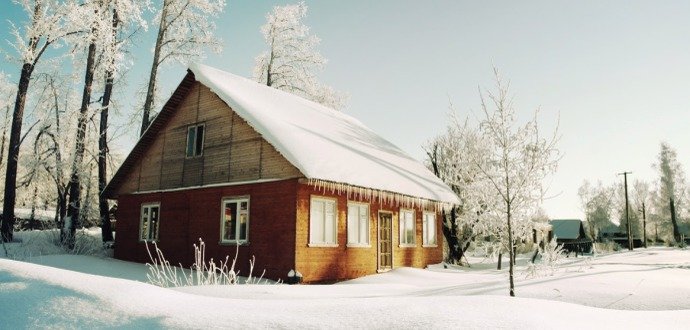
(570, 233)
(300, 187)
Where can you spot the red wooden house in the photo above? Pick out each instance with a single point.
(286, 180)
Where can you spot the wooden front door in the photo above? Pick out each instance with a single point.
(385, 241)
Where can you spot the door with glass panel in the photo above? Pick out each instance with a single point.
(385, 245)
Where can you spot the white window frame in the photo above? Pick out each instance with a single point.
(195, 153)
(429, 227)
(402, 227)
(313, 221)
(149, 206)
(238, 213)
(354, 225)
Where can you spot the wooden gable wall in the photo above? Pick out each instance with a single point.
(233, 151)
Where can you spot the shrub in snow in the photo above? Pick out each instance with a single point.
(35, 243)
(162, 273)
(551, 257)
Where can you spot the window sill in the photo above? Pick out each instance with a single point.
(326, 245)
(356, 245)
(238, 243)
(407, 245)
(149, 240)
(429, 245)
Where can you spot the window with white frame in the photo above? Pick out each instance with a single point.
(429, 229)
(148, 222)
(195, 140)
(323, 224)
(357, 224)
(234, 223)
(407, 228)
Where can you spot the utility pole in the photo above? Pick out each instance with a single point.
(627, 214)
(644, 225)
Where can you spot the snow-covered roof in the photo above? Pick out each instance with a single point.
(322, 143)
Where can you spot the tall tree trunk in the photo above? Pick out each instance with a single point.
(10, 194)
(674, 222)
(512, 253)
(103, 210)
(644, 225)
(151, 90)
(74, 204)
(4, 135)
(450, 229)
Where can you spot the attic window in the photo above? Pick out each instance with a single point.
(195, 141)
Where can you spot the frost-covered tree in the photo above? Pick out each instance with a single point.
(121, 16)
(185, 29)
(7, 93)
(595, 202)
(517, 161)
(46, 25)
(292, 60)
(93, 14)
(641, 196)
(450, 157)
(670, 192)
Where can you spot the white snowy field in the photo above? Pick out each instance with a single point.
(647, 288)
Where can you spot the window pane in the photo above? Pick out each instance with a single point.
(316, 222)
(229, 221)
(191, 141)
(243, 226)
(407, 227)
(153, 232)
(352, 225)
(432, 229)
(144, 224)
(199, 140)
(363, 224)
(330, 223)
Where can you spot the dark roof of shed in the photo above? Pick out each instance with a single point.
(567, 228)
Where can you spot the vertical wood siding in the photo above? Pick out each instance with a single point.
(233, 150)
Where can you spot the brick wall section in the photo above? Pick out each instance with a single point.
(329, 264)
(189, 215)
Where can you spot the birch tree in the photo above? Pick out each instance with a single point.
(44, 28)
(517, 161)
(670, 194)
(93, 13)
(7, 91)
(185, 29)
(126, 16)
(291, 61)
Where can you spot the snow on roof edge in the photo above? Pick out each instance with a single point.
(243, 107)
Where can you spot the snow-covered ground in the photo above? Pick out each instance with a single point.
(646, 288)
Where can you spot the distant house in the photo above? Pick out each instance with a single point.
(286, 180)
(570, 233)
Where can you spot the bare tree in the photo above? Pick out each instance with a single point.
(517, 161)
(184, 30)
(291, 60)
(45, 27)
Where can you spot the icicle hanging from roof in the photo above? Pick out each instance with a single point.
(368, 194)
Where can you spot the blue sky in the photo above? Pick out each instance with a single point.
(616, 72)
